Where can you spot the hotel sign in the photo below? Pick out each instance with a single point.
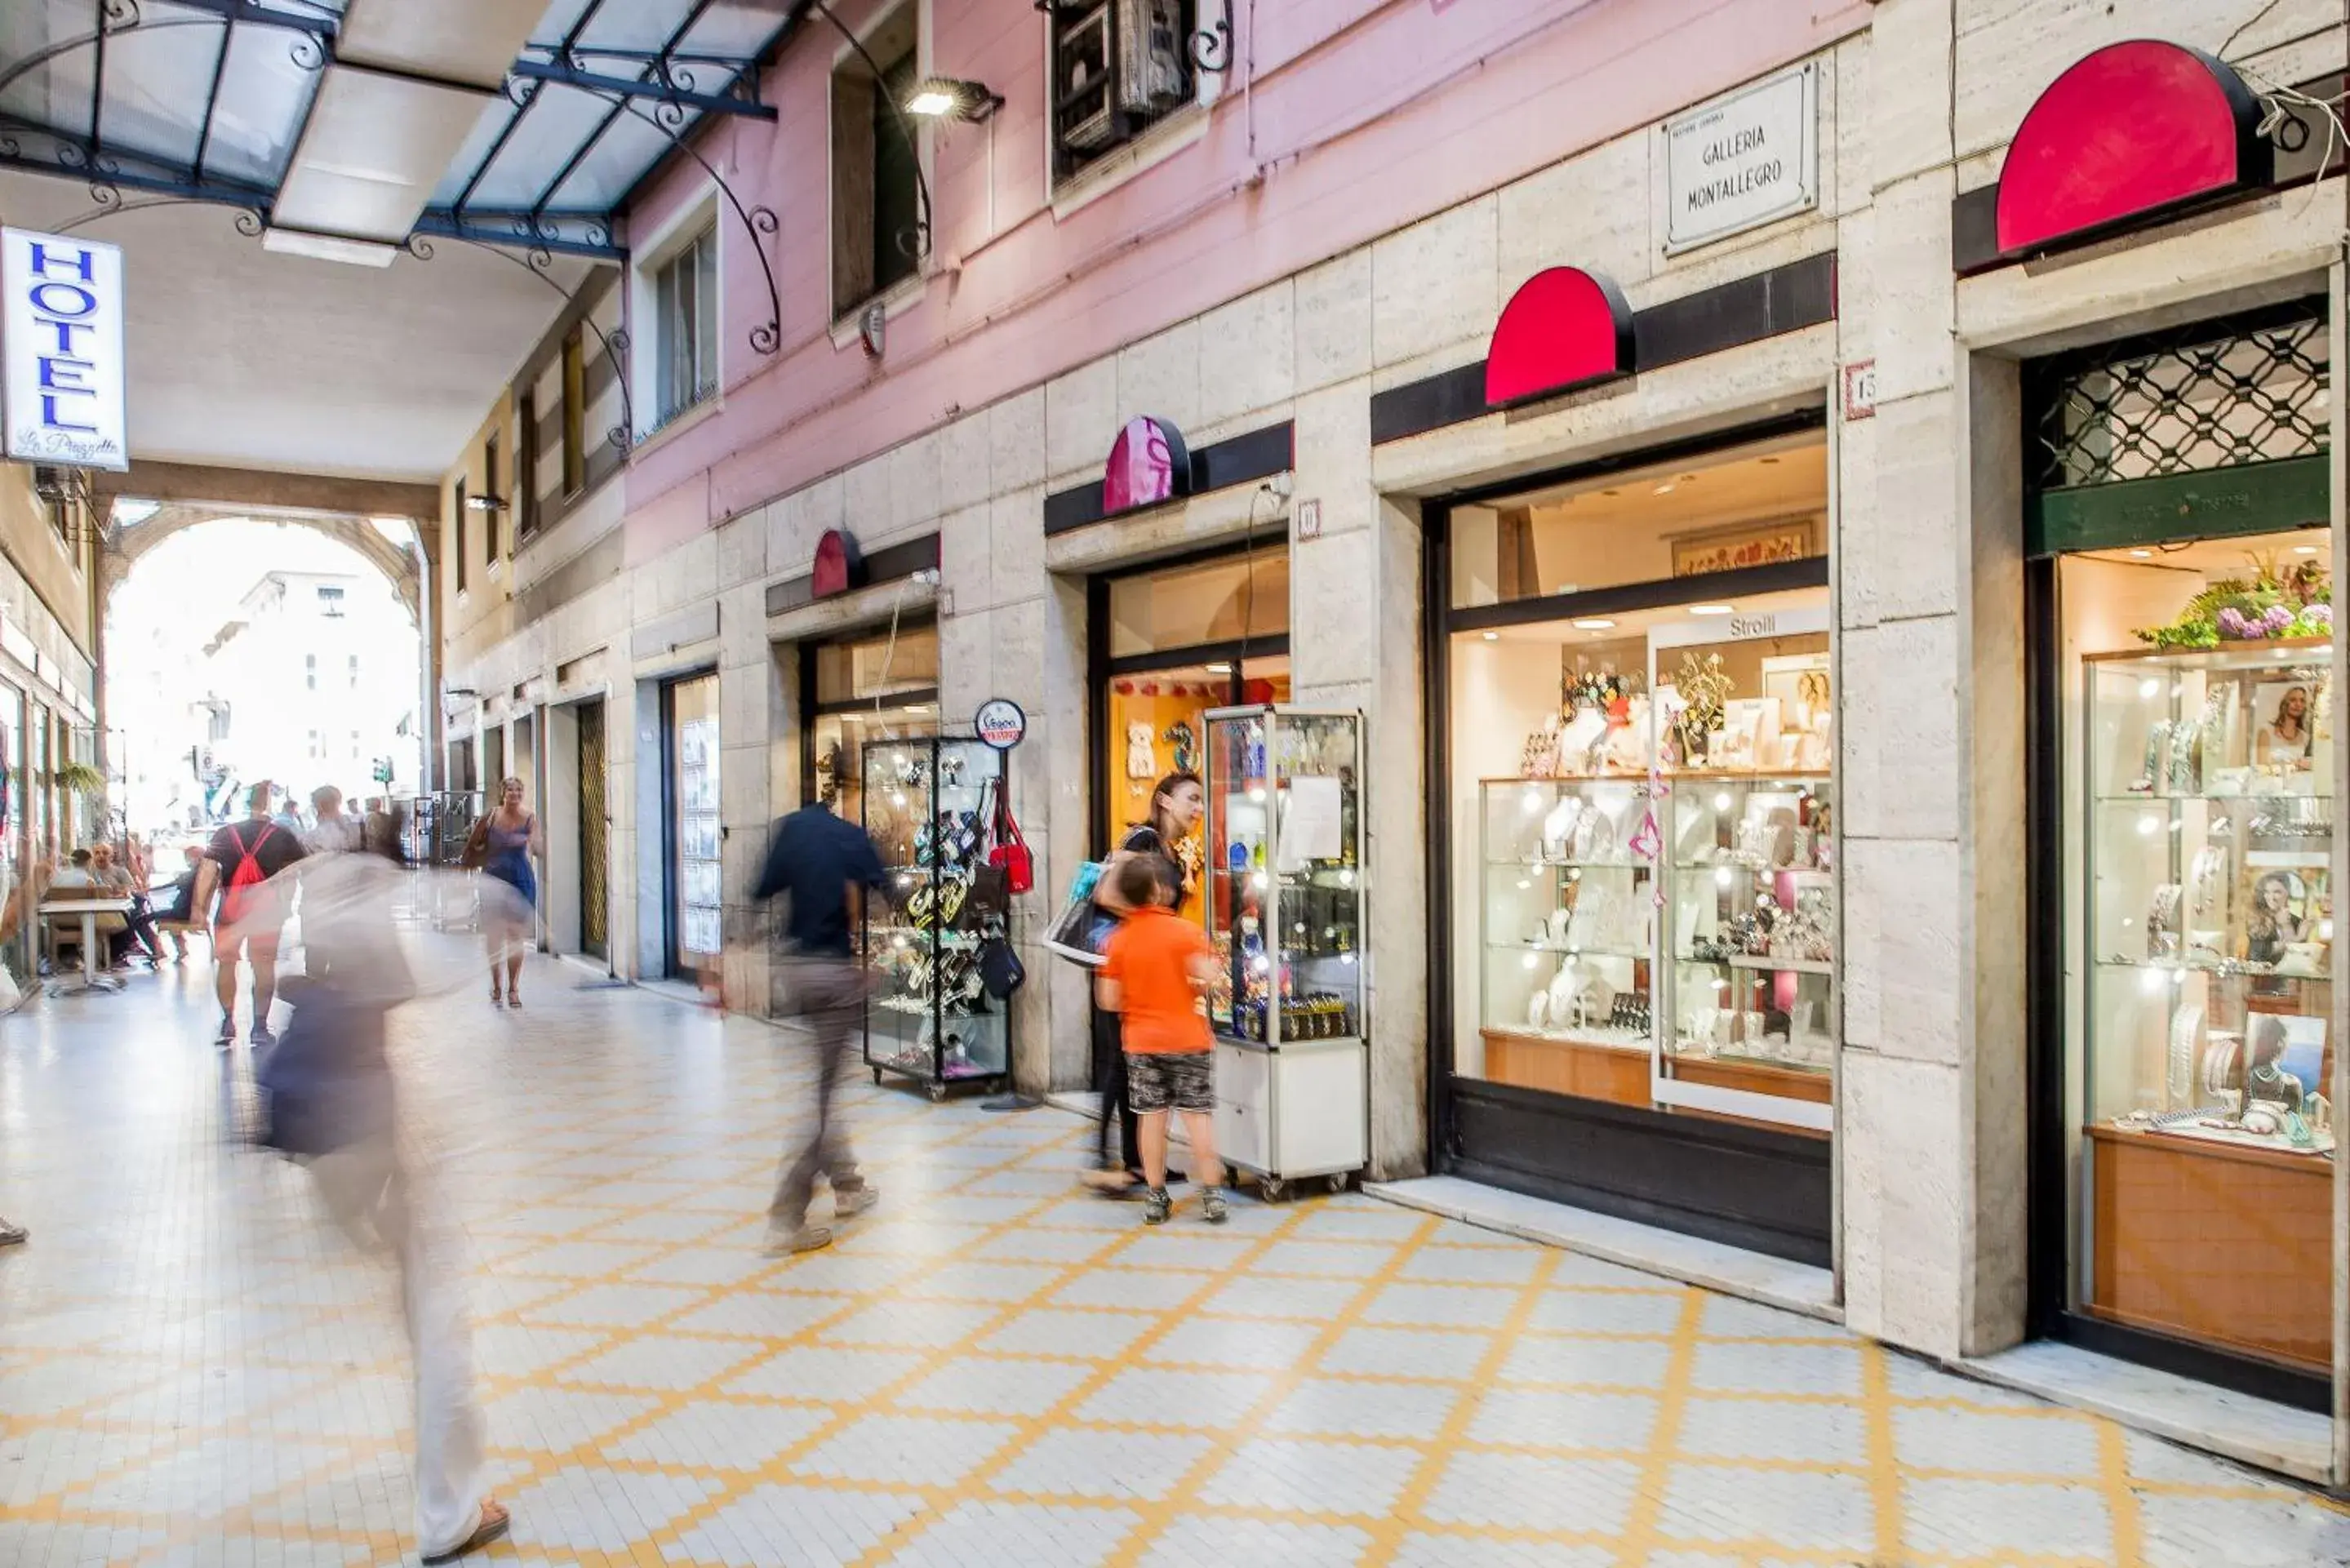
(1744, 160)
(61, 336)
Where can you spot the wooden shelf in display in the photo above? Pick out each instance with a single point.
(1588, 1069)
(2215, 1243)
(1758, 1078)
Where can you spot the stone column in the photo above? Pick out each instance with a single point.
(1355, 642)
(1930, 1138)
(754, 722)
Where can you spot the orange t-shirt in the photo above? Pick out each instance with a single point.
(1149, 956)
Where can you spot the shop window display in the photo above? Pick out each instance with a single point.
(1644, 876)
(927, 806)
(867, 689)
(1658, 897)
(2199, 804)
(1182, 640)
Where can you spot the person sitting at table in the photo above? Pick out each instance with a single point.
(139, 926)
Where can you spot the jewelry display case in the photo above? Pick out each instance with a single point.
(927, 802)
(1285, 914)
(1660, 925)
(2204, 912)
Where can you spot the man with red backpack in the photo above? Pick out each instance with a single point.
(242, 862)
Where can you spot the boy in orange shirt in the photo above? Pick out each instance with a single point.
(1157, 967)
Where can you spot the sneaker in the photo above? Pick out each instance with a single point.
(227, 1035)
(262, 1038)
(782, 1242)
(848, 1205)
(1213, 1207)
(1156, 1205)
(11, 1234)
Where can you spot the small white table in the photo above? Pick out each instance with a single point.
(93, 973)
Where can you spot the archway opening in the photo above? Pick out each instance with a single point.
(242, 649)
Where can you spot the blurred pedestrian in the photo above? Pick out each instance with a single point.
(1158, 966)
(329, 1099)
(824, 866)
(502, 844)
(335, 829)
(242, 862)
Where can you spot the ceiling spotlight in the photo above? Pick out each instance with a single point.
(2141, 555)
(1492, 636)
(1711, 609)
(952, 98)
(2297, 549)
(1665, 489)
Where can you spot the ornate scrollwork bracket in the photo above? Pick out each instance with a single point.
(1212, 45)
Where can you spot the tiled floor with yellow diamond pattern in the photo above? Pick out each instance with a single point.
(990, 1369)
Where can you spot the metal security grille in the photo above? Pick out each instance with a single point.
(594, 864)
(2212, 395)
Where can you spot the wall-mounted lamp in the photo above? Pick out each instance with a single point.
(950, 97)
(484, 503)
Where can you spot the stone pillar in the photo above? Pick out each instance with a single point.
(754, 719)
(1930, 1138)
(1008, 632)
(1355, 642)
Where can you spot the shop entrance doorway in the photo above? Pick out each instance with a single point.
(693, 907)
(595, 865)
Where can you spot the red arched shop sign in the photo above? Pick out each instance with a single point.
(1564, 327)
(838, 566)
(2125, 135)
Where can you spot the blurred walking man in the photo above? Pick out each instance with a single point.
(328, 1090)
(823, 865)
(241, 863)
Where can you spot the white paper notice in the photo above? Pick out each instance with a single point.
(1310, 828)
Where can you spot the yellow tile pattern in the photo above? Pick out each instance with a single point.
(990, 1368)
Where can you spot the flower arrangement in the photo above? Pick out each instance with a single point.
(2274, 602)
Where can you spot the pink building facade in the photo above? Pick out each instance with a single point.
(1627, 420)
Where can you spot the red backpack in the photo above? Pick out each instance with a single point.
(246, 880)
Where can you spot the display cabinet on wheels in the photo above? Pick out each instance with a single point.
(1285, 897)
(927, 802)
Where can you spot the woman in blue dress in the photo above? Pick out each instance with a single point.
(502, 844)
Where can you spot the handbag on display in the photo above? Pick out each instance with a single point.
(1011, 852)
(999, 969)
(991, 886)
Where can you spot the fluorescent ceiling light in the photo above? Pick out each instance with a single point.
(328, 247)
(1711, 609)
(1594, 623)
(1220, 670)
(1492, 636)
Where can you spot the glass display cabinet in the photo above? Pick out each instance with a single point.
(2204, 945)
(1661, 922)
(1286, 913)
(926, 804)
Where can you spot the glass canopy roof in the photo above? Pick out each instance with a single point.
(207, 99)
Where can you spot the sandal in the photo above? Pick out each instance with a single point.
(495, 1522)
(513, 997)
